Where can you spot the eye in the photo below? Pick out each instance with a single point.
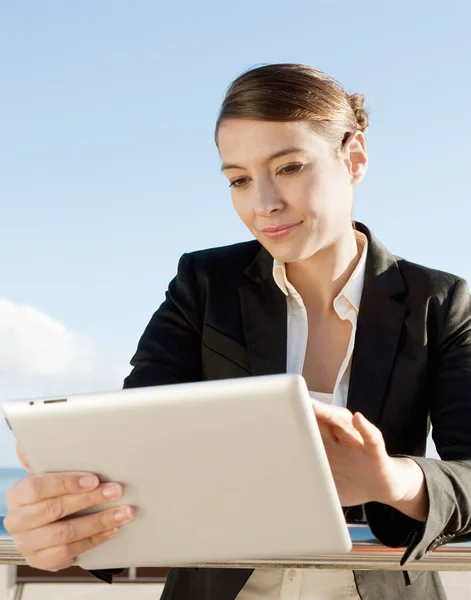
(240, 182)
(290, 169)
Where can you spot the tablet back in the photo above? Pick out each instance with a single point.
(218, 471)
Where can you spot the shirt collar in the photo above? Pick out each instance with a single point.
(351, 291)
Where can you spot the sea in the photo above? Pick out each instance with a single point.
(8, 477)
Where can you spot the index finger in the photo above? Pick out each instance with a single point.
(35, 488)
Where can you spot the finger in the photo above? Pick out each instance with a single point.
(60, 557)
(327, 432)
(69, 531)
(67, 565)
(28, 517)
(22, 458)
(346, 436)
(35, 488)
(335, 424)
(333, 435)
(372, 437)
(335, 415)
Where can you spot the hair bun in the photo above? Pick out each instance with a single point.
(356, 102)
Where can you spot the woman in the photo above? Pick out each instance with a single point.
(381, 342)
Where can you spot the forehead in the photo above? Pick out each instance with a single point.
(244, 142)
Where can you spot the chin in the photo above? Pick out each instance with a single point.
(287, 254)
(294, 248)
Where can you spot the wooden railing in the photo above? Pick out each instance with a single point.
(367, 554)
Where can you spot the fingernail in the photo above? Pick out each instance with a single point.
(110, 534)
(89, 482)
(112, 490)
(124, 514)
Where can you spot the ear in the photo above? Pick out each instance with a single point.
(355, 156)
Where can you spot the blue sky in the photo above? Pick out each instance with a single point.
(108, 170)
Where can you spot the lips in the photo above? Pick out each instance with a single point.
(280, 230)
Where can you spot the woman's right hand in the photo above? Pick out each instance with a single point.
(38, 517)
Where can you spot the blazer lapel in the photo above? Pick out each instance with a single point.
(380, 321)
(379, 326)
(264, 317)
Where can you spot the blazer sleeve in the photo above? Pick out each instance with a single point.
(448, 480)
(169, 350)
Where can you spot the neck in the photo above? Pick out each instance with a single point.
(321, 277)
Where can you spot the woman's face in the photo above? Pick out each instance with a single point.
(288, 187)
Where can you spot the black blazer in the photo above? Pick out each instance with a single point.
(224, 317)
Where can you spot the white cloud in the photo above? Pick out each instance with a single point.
(40, 357)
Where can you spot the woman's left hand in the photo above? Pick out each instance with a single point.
(362, 469)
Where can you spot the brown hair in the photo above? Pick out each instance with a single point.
(291, 92)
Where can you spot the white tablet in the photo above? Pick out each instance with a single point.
(218, 471)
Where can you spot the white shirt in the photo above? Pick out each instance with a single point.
(312, 584)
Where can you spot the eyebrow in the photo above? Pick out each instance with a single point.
(291, 150)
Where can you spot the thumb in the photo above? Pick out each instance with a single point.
(22, 458)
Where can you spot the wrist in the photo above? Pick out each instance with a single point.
(407, 479)
(408, 491)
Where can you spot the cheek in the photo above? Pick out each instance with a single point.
(307, 196)
(324, 194)
(242, 209)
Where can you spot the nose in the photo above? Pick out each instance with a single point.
(267, 199)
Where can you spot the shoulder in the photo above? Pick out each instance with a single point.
(415, 280)
(223, 261)
(431, 281)
(440, 293)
